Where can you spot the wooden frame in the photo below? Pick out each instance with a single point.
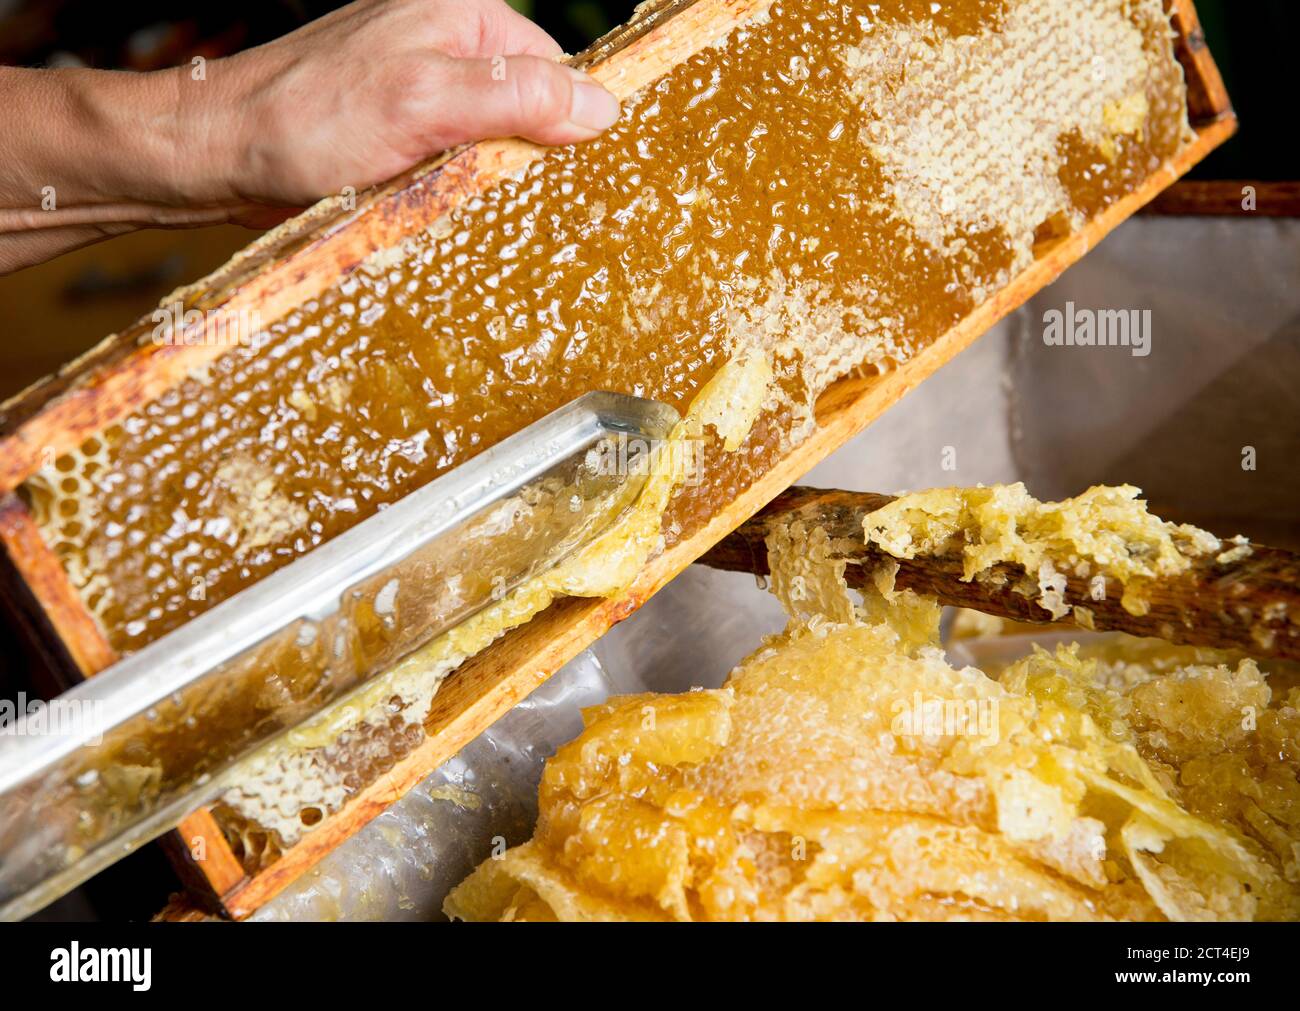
(1227, 198)
(299, 261)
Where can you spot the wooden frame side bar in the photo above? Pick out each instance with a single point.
(197, 848)
(40, 570)
(1207, 97)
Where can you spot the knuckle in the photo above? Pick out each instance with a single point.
(541, 93)
(471, 28)
(412, 84)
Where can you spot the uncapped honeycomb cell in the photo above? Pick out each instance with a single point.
(831, 186)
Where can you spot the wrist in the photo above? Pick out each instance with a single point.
(156, 131)
(124, 125)
(87, 154)
(148, 137)
(201, 133)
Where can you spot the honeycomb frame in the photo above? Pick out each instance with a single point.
(297, 262)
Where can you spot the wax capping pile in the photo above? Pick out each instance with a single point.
(847, 771)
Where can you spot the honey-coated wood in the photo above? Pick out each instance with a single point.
(1228, 199)
(1244, 604)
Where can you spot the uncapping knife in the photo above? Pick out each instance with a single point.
(126, 755)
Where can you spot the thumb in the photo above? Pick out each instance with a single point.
(528, 96)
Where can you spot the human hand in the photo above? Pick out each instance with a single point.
(377, 86)
(346, 101)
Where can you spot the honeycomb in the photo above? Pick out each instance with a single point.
(828, 188)
(286, 787)
(846, 771)
(833, 185)
(1103, 533)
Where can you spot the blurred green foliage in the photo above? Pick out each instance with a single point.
(576, 23)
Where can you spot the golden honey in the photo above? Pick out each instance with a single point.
(847, 771)
(1105, 532)
(832, 186)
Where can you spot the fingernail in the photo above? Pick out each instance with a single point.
(593, 107)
